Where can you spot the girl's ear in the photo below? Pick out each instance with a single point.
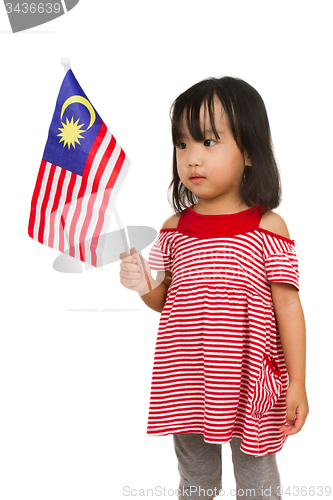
(247, 160)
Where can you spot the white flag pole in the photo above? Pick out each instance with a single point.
(125, 238)
(123, 229)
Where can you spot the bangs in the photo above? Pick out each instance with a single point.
(186, 110)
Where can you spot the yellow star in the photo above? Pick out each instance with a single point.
(70, 133)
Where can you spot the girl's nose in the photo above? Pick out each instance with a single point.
(194, 156)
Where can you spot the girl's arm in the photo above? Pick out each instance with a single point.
(290, 319)
(291, 325)
(156, 298)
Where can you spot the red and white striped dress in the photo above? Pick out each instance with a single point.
(219, 367)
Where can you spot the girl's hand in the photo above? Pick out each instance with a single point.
(297, 408)
(132, 273)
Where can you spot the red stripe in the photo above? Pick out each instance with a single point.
(83, 186)
(105, 202)
(103, 164)
(116, 170)
(101, 168)
(35, 198)
(45, 203)
(55, 206)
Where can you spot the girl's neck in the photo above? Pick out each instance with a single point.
(218, 207)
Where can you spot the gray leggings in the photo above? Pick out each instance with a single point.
(200, 468)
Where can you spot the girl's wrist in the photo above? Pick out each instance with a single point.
(146, 289)
(300, 381)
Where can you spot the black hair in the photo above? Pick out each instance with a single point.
(248, 121)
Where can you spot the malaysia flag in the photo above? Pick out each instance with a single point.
(81, 173)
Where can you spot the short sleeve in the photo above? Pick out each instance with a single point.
(160, 255)
(281, 261)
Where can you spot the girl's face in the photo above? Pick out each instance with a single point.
(219, 162)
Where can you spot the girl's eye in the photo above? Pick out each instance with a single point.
(209, 142)
(181, 145)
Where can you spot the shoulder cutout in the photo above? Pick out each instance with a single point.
(273, 222)
(172, 222)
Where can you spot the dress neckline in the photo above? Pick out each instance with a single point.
(218, 225)
(220, 216)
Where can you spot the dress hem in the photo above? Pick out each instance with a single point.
(274, 450)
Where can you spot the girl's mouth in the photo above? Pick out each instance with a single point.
(197, 180)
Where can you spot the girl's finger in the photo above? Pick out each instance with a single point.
(130, 267)
(124, 257)
(295, 427)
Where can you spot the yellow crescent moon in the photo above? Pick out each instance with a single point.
(82, 100)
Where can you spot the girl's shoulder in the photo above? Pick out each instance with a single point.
(273, 222)
(171, 222)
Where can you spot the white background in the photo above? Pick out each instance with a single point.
(74, 384)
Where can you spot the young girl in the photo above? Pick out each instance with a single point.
(229, 363)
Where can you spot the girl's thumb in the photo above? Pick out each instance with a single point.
(133, 252)
(141, 261)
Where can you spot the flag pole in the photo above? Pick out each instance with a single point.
(123, 229)
(125, 238)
